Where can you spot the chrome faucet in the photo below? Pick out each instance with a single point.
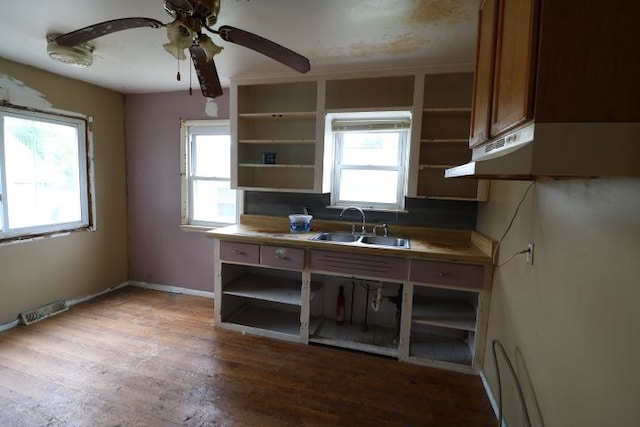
(364, 221)
(384, 228)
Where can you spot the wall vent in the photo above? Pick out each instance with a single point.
(495, 145)
(47, 310)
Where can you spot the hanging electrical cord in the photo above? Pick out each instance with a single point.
(524, 251)
(513, 218)
(496, 343)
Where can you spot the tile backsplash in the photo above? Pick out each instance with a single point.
(418, 212)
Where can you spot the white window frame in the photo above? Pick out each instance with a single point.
(339, 123)
(85, 179)
(187, 129)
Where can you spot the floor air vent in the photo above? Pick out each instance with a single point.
(47, 310)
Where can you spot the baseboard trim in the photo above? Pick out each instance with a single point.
(76, 301)
(172, 289)
(492, 399)
(71, 302)
(8, 325)
(162, 288)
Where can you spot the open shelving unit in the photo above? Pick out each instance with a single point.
(289, 119)
(444, 138)
(443, 325)
(281, 119)
(265, 300)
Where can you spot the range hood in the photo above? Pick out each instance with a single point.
(558, 150)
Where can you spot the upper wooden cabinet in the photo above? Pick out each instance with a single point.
(483, 84)
(555, 61)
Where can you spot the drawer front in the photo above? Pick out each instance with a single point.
(277, 256)
(446, 273)
(379, 267)
(240, 252)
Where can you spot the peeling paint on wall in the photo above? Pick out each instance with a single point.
(211, 109)
(17, 93)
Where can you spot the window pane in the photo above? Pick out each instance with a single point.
(212, 154)
(42, 173)
(370, 148)
(369, 186)
(213, 201)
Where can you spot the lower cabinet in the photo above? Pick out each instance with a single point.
(260, 289)
(445, 307)
(418, 311)
(267, 301)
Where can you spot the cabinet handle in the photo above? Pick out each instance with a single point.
(442, 274)
(281, 254)
(238, 252)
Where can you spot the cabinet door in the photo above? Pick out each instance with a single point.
(484, 74)
(515, 61)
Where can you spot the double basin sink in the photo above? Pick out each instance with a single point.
(363, 239)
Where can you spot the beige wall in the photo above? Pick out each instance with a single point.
(571, 322)
(80, 264)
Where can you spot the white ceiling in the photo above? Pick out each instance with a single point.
(336, 36)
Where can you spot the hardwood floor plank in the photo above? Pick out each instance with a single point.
(137, 357)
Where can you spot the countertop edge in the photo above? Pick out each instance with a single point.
(477, 250)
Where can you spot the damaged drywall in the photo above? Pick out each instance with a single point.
(15, 92)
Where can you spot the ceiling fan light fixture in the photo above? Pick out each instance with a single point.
(180, 38)
(80, 55)
(210, 48)
(175, 50)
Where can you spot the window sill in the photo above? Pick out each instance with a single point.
(369, 209)
(201, 228)
(11, 240)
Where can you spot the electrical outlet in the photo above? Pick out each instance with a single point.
(530, 253)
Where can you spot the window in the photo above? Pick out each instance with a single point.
(207, 199)
(369, 161)
(43, 173)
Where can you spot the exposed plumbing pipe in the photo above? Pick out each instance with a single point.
(375, 302)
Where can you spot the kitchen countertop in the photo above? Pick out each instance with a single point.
(429, 243)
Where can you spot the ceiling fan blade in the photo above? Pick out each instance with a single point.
(91, 32)
(265, 47)
(206, 71)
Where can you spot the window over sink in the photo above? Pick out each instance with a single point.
(367, 154)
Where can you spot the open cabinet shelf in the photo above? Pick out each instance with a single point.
(440, 347)
(268, 319)
(285, 291)
(278, 119)
(375, 339)
(444, 138)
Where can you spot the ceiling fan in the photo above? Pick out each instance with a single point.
(191, 17)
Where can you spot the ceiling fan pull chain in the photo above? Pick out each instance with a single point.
(178, 75)
(190, 74)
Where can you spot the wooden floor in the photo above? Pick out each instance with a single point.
(137, 357)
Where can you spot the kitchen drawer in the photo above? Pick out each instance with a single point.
(277, 256)
(447, 274)
(377, 267)
(240, 252)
